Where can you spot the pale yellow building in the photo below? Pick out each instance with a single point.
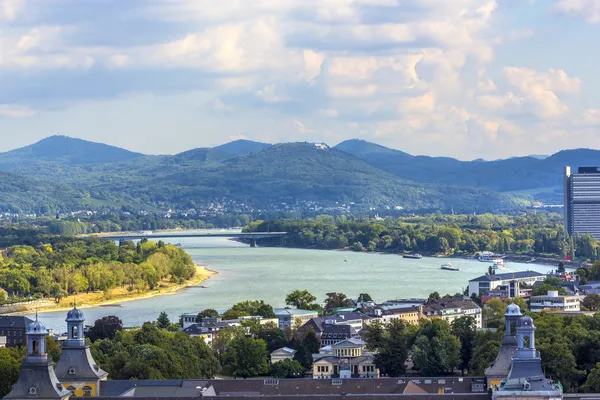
(345, 359)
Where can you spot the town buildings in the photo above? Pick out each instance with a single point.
(554, 302)
(14, 329)
(582, 201)
(509, 282)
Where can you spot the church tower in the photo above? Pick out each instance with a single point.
(37, 379)
(526, 379)
(500, 367)
(76, 368)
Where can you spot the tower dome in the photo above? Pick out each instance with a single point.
(36, 328)
(512, 310)
(526, 321)
(75, 315)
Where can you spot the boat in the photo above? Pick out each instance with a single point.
(449, 267)
(346, 260)
(178, 245)
(498, 264)
(413, 256)
(487, 256)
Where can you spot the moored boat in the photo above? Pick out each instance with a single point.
(413, 256)
(449, 267)
(498, 264)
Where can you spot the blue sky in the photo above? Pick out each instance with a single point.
(460, 78)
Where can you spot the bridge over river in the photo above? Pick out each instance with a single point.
(252, 236)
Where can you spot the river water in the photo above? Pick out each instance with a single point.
(270, 273)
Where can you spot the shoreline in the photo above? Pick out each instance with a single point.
(202, 275)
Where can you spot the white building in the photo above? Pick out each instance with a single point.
(512, 280)
(554, 302)
(293, 317)
(284, 353)
(2, 341)
(451, 308)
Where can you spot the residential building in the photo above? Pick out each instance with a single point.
(188, 320)
(15, 330)
(451, 308)
(345, 359)
(554, 302)
(357, 320)
(292, 317)
(76, 370)
(284, 353)
(510, 281)
(410, 314)
(582, 201)
(334, 333)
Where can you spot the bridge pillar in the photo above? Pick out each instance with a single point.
(253, 243)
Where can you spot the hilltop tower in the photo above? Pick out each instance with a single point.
(76, 368)
(37, 379)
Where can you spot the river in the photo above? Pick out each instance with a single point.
(270, 273)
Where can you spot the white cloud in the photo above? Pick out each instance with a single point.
(10, 9)
(15, 111)
(271, 94)
(585, 9)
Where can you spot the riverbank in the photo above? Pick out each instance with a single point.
(116, 296)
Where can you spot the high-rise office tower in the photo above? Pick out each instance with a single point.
(582, 201)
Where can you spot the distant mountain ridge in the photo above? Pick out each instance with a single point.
(65, 150)
(262, 176)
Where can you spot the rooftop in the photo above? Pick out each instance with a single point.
(14, 322)
(294, 311)
(507, 276)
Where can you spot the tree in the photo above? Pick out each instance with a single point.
(393, 348)
(105, 328)
(433, 296)
(287, 369)
(208, 313)
(163, 321)
(485, 349)
(3, 296)
(10, 367)
(301, 299)
(464, 329)
(311, 342)
(364, 297)
(591, 302)
(233, 314)
(246, 357)
(254, 307)
(436, 352)
(592, 383)
(336, 300)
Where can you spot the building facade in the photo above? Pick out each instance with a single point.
(582, 201)
(284, 353)
(345, 359)
(451, 308)
(554, 302)
(14, 329)
(510, 282)
(289, 318)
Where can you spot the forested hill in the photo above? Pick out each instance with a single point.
(253, 176)
(61, 174)
(63, 150)
(512, 174)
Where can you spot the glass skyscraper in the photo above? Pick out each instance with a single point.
(582, 201)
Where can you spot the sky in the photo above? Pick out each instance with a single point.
(460, 78)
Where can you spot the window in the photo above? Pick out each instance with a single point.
(32, 391)
(71, 371)
(87, 391)
(35, 347)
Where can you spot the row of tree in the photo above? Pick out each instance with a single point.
(57, 266)
(457, 234)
